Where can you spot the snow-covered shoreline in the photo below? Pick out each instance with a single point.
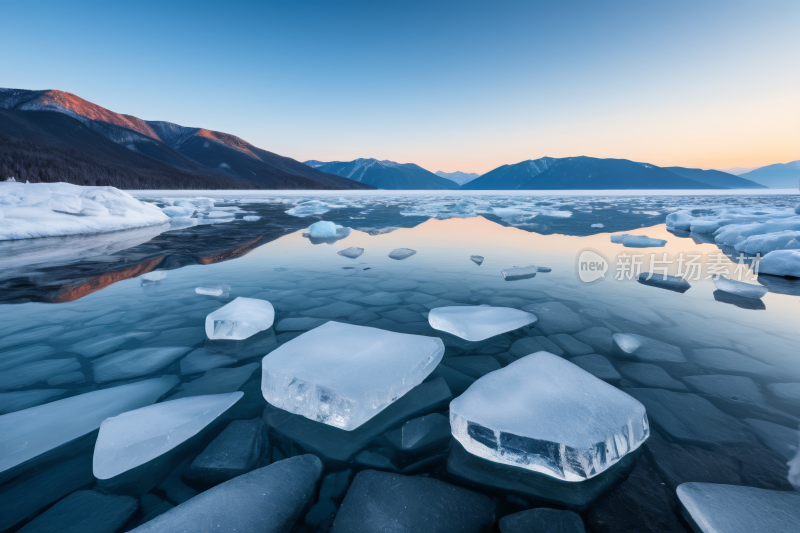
(34, 210)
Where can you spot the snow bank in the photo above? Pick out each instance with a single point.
(31, 210)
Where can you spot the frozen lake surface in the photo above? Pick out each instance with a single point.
(717, 371)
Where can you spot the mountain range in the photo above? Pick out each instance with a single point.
(779, 176)
(58, 136)
(459, 177)
(386, 174)
(590, 173)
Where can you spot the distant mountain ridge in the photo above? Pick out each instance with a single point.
(778, 176)
(590, 173)
(385, 174)
(218, 159)
(459, 177)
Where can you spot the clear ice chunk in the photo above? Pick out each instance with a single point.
(343, 375)
(515, 273)
(351, 252)
(476, 323)
(717, 508)
(401, 253)
(31, 432)
(213, 290)
(139, 436)
(240, 319)
(477, 259)
(739, 288)
(545, 414)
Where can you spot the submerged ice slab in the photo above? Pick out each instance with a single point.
(476, 323)
(637, 241)
(401, 253)
(352, 252)
(645, 349)
(343, 375)
(739, 288)
(128, 364)
(515, 273)
(240, 319)
(31, 432)
(213, 290)
(781, 263)
(717, 508)
(136, 437)
(547, 415)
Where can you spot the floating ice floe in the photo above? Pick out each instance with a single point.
(545, 414)
(664, 281)
(637, 241)
(351, 253)
(739, 288)
(401, 253)
(476, 323)
(343, 375)
(32, 210)
(136, 437)
(213, 290)
(156, 275)
(311, 207)
(477, 259)
(240, 319)
(515, 273)
(327, 230)
(781, 263)
(31, 432)
(717, 508)
(598, 225)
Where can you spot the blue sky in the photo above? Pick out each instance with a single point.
(447, 85)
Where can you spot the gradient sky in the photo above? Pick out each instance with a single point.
(449, 86)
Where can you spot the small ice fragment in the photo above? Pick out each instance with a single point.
(402, 253)
(781, 263)
(598, 226)
(477, 259)
(627, 342)
(515, 273)
(351, 252)
(213, 290)
(739, 288)
(156, 275)
(580, 426)
(343, 375)
(637, 241)
(543, 269)
(251, 218)
(476, 323)
(664, 281)
(136, 437)
(240, 319)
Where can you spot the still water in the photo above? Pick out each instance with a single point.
(715, 404)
